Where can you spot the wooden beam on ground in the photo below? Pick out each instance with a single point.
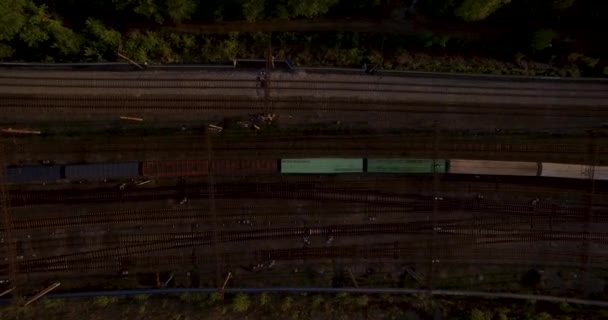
(23, 131)
(131, 118)
(226, 281)
(7, 291)
(43, 293)
(352, 277)
(129, 60)
(168, 280)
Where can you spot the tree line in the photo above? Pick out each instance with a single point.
(90, 31)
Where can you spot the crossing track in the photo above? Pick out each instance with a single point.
(142, 245)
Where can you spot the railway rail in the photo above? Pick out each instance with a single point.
(111, 258)
(282, 190)
(278, 104)
(245, 83)
(356, 143)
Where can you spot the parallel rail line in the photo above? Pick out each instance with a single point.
(161, 102)
(117, 82)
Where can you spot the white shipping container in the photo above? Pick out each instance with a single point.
(573, 171)
(506, 168)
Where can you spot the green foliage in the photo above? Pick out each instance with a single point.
(12, 17)
(104, 301)
(141, 297)
(264, 298)
(475, 10)
(543, 316)
(241, 303)
(542, 39)
(34, 30)
(53, 303)
(201, 299)
(309, 8)
(149, 46)
(214, 298)
(477, 314)
(432, 40)
(362, 300)
(253, 10)
(103, 42)
(438, 8)
(287, 304)
(317, 301)
(179, 10)
(65, 40)
(159, 10)
(6, 51)
(562, 4)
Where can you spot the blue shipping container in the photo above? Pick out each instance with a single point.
(33, 174)
(101, 171)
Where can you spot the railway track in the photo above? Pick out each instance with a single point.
(278, 104)
(158, 243)
(278, 84)
(308, 191)
(366, 144)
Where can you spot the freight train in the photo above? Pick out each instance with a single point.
(244, 167)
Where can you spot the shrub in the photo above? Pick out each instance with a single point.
(264, 298)
(287, 303)
(362, 301)
(53, 303)
(241, 303)
(104, 301)
(141, 297)
(542, 39)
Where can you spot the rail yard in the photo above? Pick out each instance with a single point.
(205, 178)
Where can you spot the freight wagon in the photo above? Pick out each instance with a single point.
(242, 167)
(322, 165)
(484, 167)
(405, 166)
(102, 171)
(33, 174)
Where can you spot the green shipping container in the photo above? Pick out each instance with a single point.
(321, 165)
(404, 165)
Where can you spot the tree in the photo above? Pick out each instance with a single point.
(179, 10)
(309, 8)
(253, 10)
(103, 42)
(477, 314)
(148, 46)
(542, 39)
(475, 10)
(12, 18)
(34, 30)
(159, 10)
(562, 4)
(6, 51)
(64, 39)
